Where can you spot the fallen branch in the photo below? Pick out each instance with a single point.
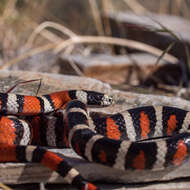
(115, 41)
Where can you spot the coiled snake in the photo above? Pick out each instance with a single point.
(61, 119)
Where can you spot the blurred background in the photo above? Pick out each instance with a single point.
(137, 45)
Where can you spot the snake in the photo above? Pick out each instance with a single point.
(142, 138)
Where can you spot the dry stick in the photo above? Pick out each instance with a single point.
(68, 51)
(41, 29)
(62, 29)
(75, 67)
(115, 41)
(49, 24)
(92, 39)
(50, 36)
(96, 17)
(23, 83)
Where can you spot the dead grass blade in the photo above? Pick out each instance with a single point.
(19, 83)
(115, 41)
(50, 36)
(164, 52)
(75, 67)
(49, 24)
(165, 30)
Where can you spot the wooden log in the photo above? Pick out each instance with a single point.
(145, 28)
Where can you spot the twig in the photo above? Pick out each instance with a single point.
(115, 41)
(50, 36)
(23, 83)
(75, 67)
(68, 51)
(164, 51)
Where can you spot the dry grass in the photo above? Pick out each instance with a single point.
(76, 39)
(114, 41)
(51, 40)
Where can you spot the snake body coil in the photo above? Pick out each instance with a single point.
(61, 119)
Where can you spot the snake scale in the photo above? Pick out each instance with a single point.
(30, 124)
